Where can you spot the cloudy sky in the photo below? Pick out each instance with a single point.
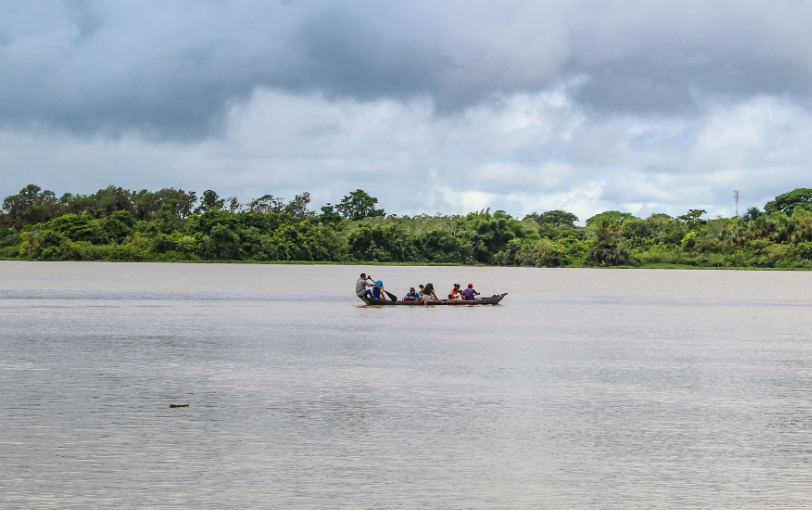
(585, 105)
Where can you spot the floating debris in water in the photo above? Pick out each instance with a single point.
(178, 405)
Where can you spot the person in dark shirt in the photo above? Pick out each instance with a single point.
(469, 293)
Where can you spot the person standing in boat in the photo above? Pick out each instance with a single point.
(469, 293)
(362, 286)
(428, 294)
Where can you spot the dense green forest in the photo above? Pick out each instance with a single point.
(175, 225)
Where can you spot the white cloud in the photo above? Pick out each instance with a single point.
(521, 153)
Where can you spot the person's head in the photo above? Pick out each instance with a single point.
(420, 286)
(470, 285)
(363, 275)
(456, 285)
(380, 283)
(411, 289)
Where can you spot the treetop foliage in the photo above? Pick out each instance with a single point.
(359, 205)
(787, 203)
(178, 225)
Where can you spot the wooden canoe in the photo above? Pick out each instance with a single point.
(493, 300)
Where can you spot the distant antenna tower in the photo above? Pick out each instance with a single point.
(736, 196)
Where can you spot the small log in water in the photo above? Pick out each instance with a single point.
(178, 405)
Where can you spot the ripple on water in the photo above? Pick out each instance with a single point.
(586, 389)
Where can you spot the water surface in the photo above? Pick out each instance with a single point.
(585, 389)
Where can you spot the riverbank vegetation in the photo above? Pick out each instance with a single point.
(117, 224)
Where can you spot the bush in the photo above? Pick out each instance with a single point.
(610, 252)
(381, 243)
(83, 250)
(441, 246)
(541, 253)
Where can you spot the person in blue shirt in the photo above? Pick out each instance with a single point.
(411, 296)
(376, 290)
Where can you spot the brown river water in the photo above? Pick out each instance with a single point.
(584, 389)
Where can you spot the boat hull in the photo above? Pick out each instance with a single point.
(493, 300)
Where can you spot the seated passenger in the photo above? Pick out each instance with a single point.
(428, 294)
(376, 290)
(469, 293)
(455, 294)
(411, 296)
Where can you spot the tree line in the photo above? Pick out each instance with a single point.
(171, 224)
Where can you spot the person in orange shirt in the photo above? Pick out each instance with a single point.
(455, 294)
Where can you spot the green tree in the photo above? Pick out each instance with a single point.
(329, 216)
(665, 229)
(234, 205)
(556, 218)
(82, 227)
(381, 243)
(106, 201)
(32, 205)
(603, 227)
(787, 202)
(177, 201)
(611, 251)
(490, 234)
(443, 247)
(359, 205)
(209, 201)
(614, 217)
(267, 203)
(540, 253)
(752, 214)
(693, 216)
(224, 243)
(298, 207)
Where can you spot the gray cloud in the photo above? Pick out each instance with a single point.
(638, 105)
(173, 69)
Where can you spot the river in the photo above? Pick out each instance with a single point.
(584, 389)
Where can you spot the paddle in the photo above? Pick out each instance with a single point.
(391, 296)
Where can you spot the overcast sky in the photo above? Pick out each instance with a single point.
(585, 105)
